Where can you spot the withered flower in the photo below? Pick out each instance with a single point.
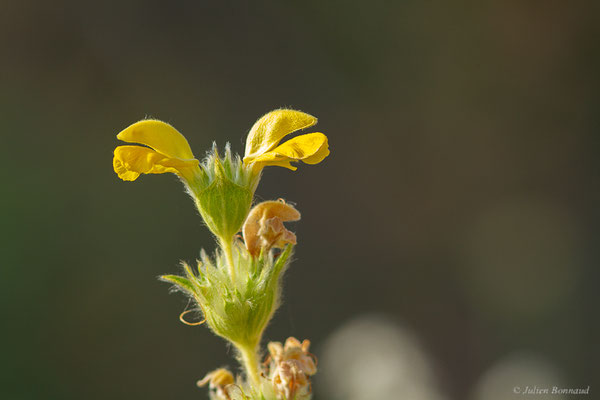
(290, 367)
(264, 228)
(219, 380)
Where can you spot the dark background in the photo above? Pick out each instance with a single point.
(459, 200)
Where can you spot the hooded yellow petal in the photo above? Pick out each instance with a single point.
(159, 135)
(311, 148)
(131, 161)
(268, 131)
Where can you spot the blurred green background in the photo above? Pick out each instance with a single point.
(459, 203)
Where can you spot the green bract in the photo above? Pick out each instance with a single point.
(223, 193)
(237, 310)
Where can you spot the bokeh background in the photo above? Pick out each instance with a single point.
(448, 247)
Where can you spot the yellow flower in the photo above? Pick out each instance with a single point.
(167, 151)
(263, 148)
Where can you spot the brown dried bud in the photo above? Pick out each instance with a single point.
(264, 228)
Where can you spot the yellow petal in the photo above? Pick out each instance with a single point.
(159, 135)
(131, 161)
(268, 131)
(311, 148)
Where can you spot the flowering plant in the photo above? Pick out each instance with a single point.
(237, 289)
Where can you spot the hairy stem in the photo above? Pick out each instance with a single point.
(226, 246)
(249, 359)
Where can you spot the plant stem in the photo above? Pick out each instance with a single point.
(250, 362)
(226, 246)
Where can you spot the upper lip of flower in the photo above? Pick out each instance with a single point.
(158, 135)
(262, 144)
